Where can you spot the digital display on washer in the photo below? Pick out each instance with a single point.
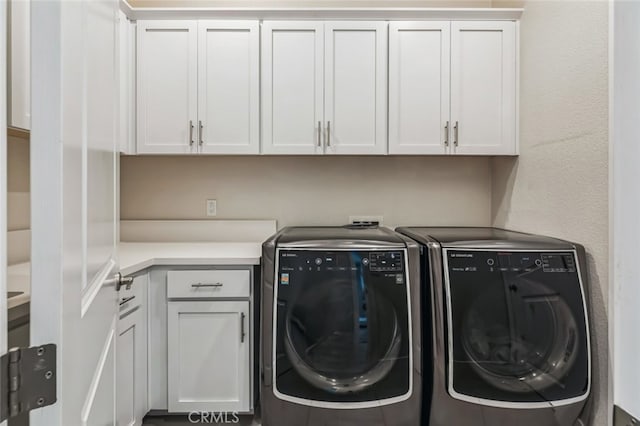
(518, 326)
(342, 325)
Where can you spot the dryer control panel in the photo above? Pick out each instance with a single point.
(511, 261)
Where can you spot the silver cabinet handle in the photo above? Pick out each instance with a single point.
(190, 132)
(119, 281)
(319, 133)
(446, 134)
(201, 142)
(328, 133)
(242, 333)
(199, 285)
(127, 300)
(455, 134)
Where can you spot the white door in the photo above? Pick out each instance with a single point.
(3, 180)
(292, 87)
(73, 188)
(419, 87)
(209, 349)
(355, 91)
(483, 87)
(167, 87)
(228, 87)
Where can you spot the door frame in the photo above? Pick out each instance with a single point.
(624, 209)
(46, 147)
(3, 180)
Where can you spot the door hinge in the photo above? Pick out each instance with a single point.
(28, 380)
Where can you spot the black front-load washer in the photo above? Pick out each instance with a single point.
(509, 340)
(340, 328)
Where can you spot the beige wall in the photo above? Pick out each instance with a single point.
(18, 183)
(559, 184)
(309, 190)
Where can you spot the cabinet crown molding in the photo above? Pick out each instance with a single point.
(322, 13)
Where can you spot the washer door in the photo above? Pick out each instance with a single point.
(342, 326)
(518, 329)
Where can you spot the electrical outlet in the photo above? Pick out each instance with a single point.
(365, 218)
(212, 208)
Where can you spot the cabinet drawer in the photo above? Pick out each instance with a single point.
(208, 284)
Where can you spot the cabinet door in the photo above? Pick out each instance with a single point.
(483, 87)
(356, 87)
(166, 86)
(419, 87)
(131, 369)
(131, 357)
(20, 64)
(126, 79)
(125, 371)
(292, 81)
(209, 364)
(228, 81)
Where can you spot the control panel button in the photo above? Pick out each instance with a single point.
(386, 261)
(491, 262)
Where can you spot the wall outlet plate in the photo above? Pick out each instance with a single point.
(212, 207)
(358, 219)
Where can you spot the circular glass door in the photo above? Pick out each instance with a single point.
(342, 331)
(356, 343)
(524, 344)
(518, 328)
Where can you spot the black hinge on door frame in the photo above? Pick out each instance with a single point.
(27, 380)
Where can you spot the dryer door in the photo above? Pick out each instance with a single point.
(518, 334)
(342, 330)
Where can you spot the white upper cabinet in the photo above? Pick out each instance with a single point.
(419, 87)
(167, 87)
(198, 87)
(228, 87)
(292, 87)
(126, 83)
(355, 91)
(20, 64)
(324, 87)
(483, 87)
(313, 87)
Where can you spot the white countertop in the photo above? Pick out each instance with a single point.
(135, 257)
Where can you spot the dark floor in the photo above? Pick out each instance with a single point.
(184, 421)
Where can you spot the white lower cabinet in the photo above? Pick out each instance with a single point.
(209, 356)
(131, 356)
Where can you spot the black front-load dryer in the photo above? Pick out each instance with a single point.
(510, 338)
(340, 331)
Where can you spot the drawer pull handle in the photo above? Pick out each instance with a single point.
(127, 300)
(199, 285)
(242, 333)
